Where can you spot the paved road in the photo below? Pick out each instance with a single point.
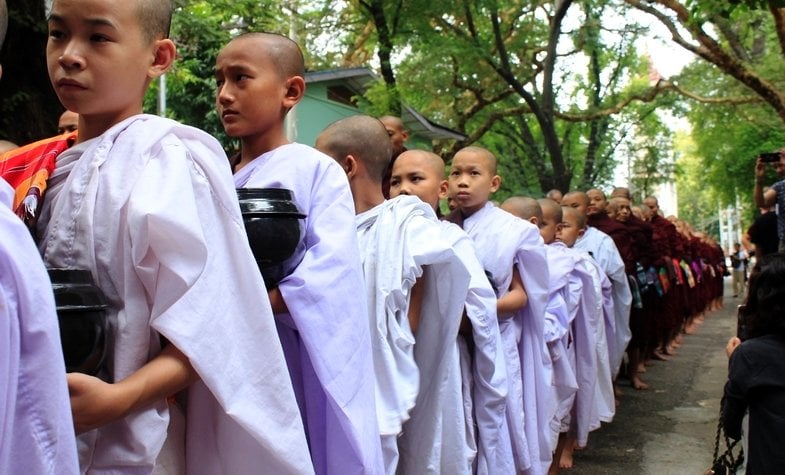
(670, 428)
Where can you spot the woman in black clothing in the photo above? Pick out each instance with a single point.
(756, 374)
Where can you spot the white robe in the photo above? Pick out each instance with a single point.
(605, 253)
(36, 429)
(603, 407)
(150, 209)
(418, 384)
(565, 293)
(325, 334)
(503, 241)
(484, 371)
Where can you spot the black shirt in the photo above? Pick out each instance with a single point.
(756, 381)
(763, 233)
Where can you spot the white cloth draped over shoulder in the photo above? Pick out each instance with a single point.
(605, 253)
(325, 335)
(418, 382)
(484, 370)
(150, 210)
(503, 241)
(36, 428)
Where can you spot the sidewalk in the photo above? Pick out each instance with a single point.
(669, 428)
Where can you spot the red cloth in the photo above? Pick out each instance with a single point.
(28, 168)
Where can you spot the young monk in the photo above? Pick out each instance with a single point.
(35, 420)
(421, 173)
(416, 287)
(333, 377)
(606, 254)
(148, 206)
(593, 374)
(506, 244)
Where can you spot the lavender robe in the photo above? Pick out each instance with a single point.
(604, 252)
(503, 241)
(36, 429)
(150, 209)
(325, 334)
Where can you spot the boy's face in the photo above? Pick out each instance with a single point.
(413, 174)
(597, 202)
(569, 232)
(98, 59)
(471, 181)
(251, 93)
(549, 226)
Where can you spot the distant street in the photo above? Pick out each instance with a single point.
(670, 428)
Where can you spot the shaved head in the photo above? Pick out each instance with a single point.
(555, 195)
(484, 153)
(575, 215)
(362, 137)
(155, 18)
(285, 54)
(621, 192)
(433, 164)
(550, 209)
(392, 121)
(524, 208)
(576, 199)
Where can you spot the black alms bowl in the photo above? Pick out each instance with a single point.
(272, 223)
(81, 313)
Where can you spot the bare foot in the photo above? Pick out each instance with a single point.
(566, 461)
(617, 391)
(641, 367)
(638, 383)
(660, 355)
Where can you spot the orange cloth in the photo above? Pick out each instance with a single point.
(28, 168)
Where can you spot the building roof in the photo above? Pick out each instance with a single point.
(359, 79)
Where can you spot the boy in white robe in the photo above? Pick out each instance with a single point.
(592, 363)
(320, 312)
(148, 206)
(416, 287)
(605, 253)
(512, 251)
(421, 173)
(563, 303)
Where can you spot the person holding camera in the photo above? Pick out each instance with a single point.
(756, 372)
(776, 193)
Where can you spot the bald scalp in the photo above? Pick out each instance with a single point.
(392, 121)
(579, 196)
(621, 192)
(155, 18)
(551, 209)
(434, 165)
(362, 137)
(285, 54)
(488, 157)
(523, 207)
(573, 214)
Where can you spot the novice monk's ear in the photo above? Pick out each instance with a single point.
(295, 89)
(496, 182)
(444, 188)
(163, 56)
(349, 165)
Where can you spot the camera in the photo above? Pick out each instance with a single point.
(770, 157)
